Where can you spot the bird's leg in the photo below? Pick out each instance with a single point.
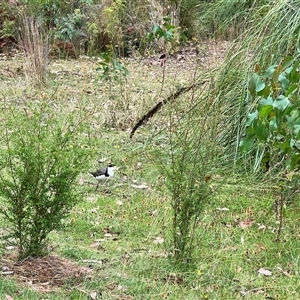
(97, 186)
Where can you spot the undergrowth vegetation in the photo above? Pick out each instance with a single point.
(186, 158)
(255, 46)
(185, 216)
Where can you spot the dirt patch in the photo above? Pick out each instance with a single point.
(44, 273)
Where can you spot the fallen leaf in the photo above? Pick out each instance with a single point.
(154, 213)
(261, 226)
(10, 247)
(81, 180)
(7, 273)
(102, 160)
(7, 297)
(95, 244)
(119, 202)
(141, 186)
(158, 240)
(29, 282)
(246, 224)
(93, 295)
(242, 239)
(265, 272)
(222, 209)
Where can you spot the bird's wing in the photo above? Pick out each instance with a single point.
(99, 172)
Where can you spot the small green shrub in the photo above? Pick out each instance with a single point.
(9, 29)
(40, 160)
(167, 33)
(186, 159)
(69, 28)
(273, 128)
(112, 68)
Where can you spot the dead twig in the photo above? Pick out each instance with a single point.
(144, 119)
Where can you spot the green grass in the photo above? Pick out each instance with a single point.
(116, 234)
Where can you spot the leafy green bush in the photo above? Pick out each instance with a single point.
(276, 120)
(273, 128)
(69, 28)
(40, 160)
(112, 69)
(256, 46)
(168, 33)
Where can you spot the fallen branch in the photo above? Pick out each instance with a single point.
(159, 105)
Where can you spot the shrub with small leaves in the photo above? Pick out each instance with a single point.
(40, 161)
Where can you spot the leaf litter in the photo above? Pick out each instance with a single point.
(45, 274)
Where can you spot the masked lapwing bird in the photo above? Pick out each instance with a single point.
(103, 174)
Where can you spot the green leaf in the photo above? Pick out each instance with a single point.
(292, 88)
(264, 112)
(287, 62)
(151, 37)
(273, 125)
(294, 74)
(265, 92)
(260, 85)
(297, 145)
(292, 143)
(260, 130)
(288, 70)
(167, 19)
(294, 160)
(156, 29)
(247, 142)
(252, 84)
(281, 103)
(296, 129)
(292, 117)
(284, 81)
(251, 117)
(284, 147)
(265, 106)
(169, 35)
(169, 26)
(270, 71)
(264, 102)
(183, 38)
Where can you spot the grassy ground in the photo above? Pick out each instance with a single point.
(124, 236)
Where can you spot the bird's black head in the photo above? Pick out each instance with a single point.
(111, 165)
